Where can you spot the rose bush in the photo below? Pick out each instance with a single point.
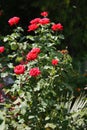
(36, 79)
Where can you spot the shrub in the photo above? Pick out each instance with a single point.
(35, 78)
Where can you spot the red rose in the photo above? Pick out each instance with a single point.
(44, 14)
(35, 21)
(55, 61)
(57, 27)
(2, 49)
(34, 72)
(31, 56)
(36, 50)
(32, 27)
(44, 21)
(13, 21)
(19, 69)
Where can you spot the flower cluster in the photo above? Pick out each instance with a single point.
(32, 55)
(39, 21)
(36, 22)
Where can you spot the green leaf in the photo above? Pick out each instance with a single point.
(61, 36)
(14, 46)
(4, 75)
(30, 37)
(51, 125)
(18, 59)
(2, 121)
(5, 39)
(23, 107)
(10, 65)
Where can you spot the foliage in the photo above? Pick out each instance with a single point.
(35, 81)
